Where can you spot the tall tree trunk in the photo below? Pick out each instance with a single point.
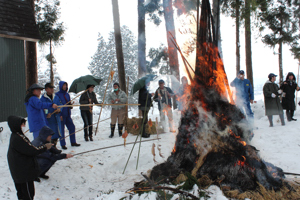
(170, 28)
(31, 60)
(51, 65)
(141, 39)
(237, 36)
(248, 42)
(280, 63)
(217, 22)
(118, 42)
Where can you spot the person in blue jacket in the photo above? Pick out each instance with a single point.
(244, 93)
(52, 116)
(34, 108)
(47, 159)
(65, 117)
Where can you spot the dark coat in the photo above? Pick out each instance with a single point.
(272, 105)
(35, 112)
(144, 96)
(48, 158)
(288, 88)
(21, 155)
(64, 98)
(163, 100)
(84, 99)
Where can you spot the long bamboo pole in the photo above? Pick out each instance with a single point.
(112, 147)
(297, 86)
(99, 104)
(108, 80)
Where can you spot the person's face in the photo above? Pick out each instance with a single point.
(37, 92)
(273, 79)
(49, 138)
(64, 87)
(116, 87)
(91, 89)
(242, 76)
(49, 90)
(161, 85)
(184, 80)
(291, 77)
(23, 125)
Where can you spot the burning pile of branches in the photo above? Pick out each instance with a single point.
(212, 142)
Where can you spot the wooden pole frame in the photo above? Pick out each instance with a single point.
(108, 81)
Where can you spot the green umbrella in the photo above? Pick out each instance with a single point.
(139, 84)
(82, 82)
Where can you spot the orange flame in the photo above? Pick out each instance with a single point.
(150, 123)
(174, 149)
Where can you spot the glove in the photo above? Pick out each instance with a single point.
(279, 91)
(273, 95)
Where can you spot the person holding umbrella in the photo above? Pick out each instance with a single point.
(117, 112)
(88, 97)
(65, 117)
(35, 108)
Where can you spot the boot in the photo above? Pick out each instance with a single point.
(64, 147)
(86, 138)
(75, 144)
(282, 120)
(91, 137)
(112, 128)
(270, 117)
(144, 134)
(292, 115)
(120, 128)
(288, 115)
(44, 176)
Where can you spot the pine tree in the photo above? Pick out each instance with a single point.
(278, 18)
(51, 31)
(106, 55)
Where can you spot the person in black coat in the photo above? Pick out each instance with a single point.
(47, 159)
(21, 157)
(145, 105)
(288, 96)
(88, 97)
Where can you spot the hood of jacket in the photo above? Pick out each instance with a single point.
(268, 81)
(61, 83)
(43, 134)
(14, 123)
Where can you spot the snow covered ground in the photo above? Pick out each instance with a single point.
(99, 175)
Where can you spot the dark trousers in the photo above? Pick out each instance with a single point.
(145, 120)
(25, 191)
(87, 118)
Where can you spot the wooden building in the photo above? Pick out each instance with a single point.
(17, 25)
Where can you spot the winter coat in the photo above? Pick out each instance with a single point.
(84, 99)
(21, 155)
(49, 157)
(64, 98)
(165, 98)
(54, 121)
(35, 112)
(121, 95)
(244, 90)
(144, 96)
(288, 97)
(272, 105)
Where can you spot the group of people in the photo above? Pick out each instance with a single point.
(276, 98)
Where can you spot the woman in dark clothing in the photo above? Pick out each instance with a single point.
(21, 157)
(288, 97)
(145, 104)
(88, 97)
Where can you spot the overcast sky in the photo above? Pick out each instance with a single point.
(85, 20)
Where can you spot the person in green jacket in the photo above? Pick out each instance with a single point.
(117, 112)
(88, 97)
(272, 101)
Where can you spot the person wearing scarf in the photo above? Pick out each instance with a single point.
(289, 86)
(163, 96)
